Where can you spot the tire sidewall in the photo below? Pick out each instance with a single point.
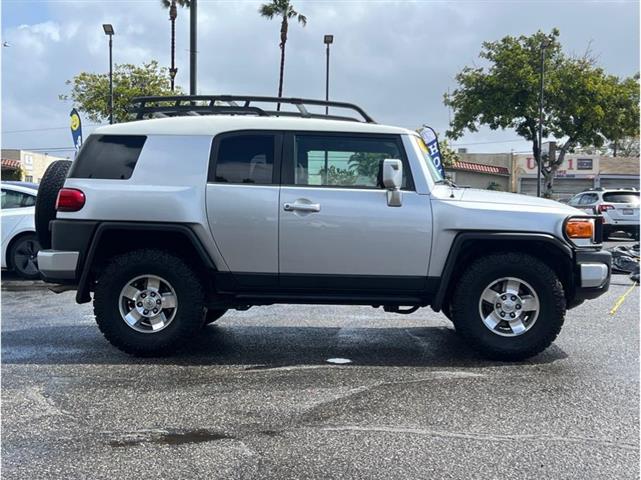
(468, 319)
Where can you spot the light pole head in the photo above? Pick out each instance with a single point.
(173, 72)
(328, 39)
(108, 28)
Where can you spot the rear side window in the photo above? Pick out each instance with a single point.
(621, 197)
(245, 158)
(108, 157)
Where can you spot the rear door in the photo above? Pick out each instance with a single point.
(336, 229)
(242, 202)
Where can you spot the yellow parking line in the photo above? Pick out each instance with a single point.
(621, 299)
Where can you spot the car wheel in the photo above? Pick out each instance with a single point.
(212, 315)
(148, 302)
(51, 183)
(508, 306)
(23, 257)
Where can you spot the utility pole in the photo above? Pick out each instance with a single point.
(109, 30)
(193, 16)
(328, 40)
(173, 13)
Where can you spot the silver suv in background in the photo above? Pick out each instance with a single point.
(619, 208)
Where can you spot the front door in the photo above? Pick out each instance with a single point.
(336, 229)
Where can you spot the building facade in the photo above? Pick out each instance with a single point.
(32, 165)
(578, 173)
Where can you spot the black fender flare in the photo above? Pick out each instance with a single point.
(463, 237)
(83, 292)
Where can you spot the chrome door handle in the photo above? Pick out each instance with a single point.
(301, 207)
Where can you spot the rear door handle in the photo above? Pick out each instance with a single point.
(301, 207)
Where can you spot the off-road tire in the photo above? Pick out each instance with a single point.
(51, 183)
(190, 302)
(465, 306)
(212, 315)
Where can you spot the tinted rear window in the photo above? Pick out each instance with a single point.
(621, 197)
(111, 157)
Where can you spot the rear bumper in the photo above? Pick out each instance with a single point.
(58, 266)
(591, 275)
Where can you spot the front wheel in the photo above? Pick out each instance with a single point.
(508, 306)
(148, 302)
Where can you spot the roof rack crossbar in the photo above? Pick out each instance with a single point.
(206, 105)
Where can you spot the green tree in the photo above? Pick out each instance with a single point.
(286, 12)
(337, 176)
(448, 155)
(90, 91)
(583, 105)
(15, 175)
(365, 164)
(173, 14)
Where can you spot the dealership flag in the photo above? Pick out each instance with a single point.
(431, 141)
(76, 129)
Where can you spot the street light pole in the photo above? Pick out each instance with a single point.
(328, 40)
(109, 30)
(539, 160)
(193, 10)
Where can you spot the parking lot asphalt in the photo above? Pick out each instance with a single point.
(254, 397)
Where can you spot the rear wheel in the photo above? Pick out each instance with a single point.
(148, 302)
(23, 257)
(508, 306)
(51, 183)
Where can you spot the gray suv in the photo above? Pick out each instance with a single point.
(211, 203)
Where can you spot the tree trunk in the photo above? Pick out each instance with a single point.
(283, 41)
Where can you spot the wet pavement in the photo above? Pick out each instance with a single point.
(254, 397)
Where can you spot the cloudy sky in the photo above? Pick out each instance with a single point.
(396, 59)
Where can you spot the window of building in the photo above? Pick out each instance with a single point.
(343, 161)
(28, 160)
(245, 158)
(28, 178)
(584, 164)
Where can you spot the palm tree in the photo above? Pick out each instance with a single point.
(173, 13)
(284, 10)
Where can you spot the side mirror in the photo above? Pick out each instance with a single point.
(392, 181)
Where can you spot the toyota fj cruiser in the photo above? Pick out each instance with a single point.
(215, 203)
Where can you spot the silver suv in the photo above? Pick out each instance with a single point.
(219, 203)
(619, 208)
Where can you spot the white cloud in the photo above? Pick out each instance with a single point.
(395, 59)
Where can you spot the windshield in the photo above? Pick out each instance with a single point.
(427, 159)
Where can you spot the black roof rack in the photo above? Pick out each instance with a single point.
(181, 105)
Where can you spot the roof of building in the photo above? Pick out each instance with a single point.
(480, 168)
(10, 164)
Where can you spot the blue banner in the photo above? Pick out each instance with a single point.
(431, 141)
(76, 129)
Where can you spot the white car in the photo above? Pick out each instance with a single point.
(19, 242)
(619, 208)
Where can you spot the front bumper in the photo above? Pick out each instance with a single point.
(592, 272)
(57, 266)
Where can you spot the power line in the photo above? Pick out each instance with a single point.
(49, 128)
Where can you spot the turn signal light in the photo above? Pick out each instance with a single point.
(579, 228)
(70, 200)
